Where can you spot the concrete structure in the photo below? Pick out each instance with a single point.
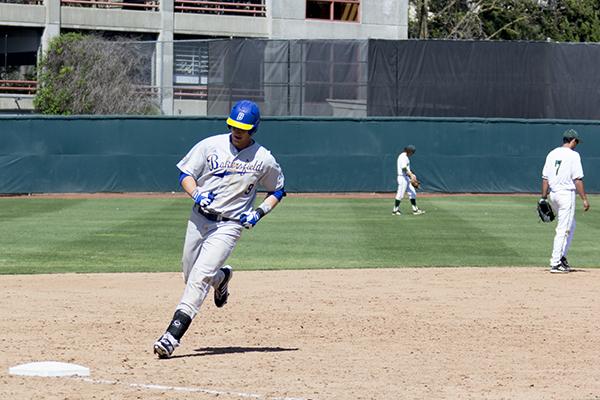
(379, 19)
(16, 104)
(285, 19)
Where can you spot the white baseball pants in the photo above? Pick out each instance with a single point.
(563, 203)
(404, 186)
(207, 246)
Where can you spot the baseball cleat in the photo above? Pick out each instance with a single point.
(221, 291)
(396, 212)
(565, 263)
(165, 345)
(558, 269)
(418, 212)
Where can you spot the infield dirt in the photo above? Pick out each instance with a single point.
(444, 333)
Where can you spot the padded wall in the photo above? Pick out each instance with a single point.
(118, 154)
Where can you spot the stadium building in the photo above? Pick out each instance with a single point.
(180, 71)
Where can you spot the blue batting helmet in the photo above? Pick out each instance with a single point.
(245, 115)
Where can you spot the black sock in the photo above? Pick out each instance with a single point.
(413, 202)
(180, 323)
(397, 204)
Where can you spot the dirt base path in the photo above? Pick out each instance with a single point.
(471, 333)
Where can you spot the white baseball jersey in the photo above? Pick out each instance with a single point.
(232, 175)
(562, 166)
(403, 162)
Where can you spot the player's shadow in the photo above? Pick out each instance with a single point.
(212, 351)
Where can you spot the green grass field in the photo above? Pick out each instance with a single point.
(46, 235)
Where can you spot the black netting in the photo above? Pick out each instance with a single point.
(295, 77)
(357, 78)
(483, 79)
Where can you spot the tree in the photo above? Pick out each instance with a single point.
(82, 74)
(513, 20)
(573, 21)
(557, 20)
(422, 17)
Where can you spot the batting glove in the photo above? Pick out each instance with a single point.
(250, 218)
(203, 199)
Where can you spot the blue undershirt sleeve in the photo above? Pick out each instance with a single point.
(279, 194)
(182, 176)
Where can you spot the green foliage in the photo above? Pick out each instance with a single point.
(53, 96)
(41, 235)
(82, 74)
(513, 20)
(556, 20)
(450, 20)
(575, 21)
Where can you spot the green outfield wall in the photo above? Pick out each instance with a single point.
(123, 154)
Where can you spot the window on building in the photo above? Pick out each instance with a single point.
(190, 66)
(333, 10)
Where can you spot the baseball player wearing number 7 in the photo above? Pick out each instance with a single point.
(407, 181)
(562, 176)
(221, 174)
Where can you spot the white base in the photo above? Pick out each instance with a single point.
(49, 368)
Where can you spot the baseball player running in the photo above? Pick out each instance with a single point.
(407, 181)
(221, 174)
(562, 176)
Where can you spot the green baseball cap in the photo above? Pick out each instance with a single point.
(571, 134)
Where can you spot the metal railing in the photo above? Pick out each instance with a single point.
(187, 92)
(253, 8)
(18, 87)
(181, 92)
(25, 2)
(199, 92)
(143, 5)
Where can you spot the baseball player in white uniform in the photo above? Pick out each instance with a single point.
(406, 178)
(562, 176)
(221, 174)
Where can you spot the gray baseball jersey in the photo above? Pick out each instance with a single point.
(233, 176)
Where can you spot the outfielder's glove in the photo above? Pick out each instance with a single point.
(545, 211)
(203, 199)
(415, 182)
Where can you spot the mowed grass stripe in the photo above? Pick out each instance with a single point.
(147, 237)
(91, 235)
(586, 244)
(492, 231)
(456, 231)
(108, 235)
(302, 233)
